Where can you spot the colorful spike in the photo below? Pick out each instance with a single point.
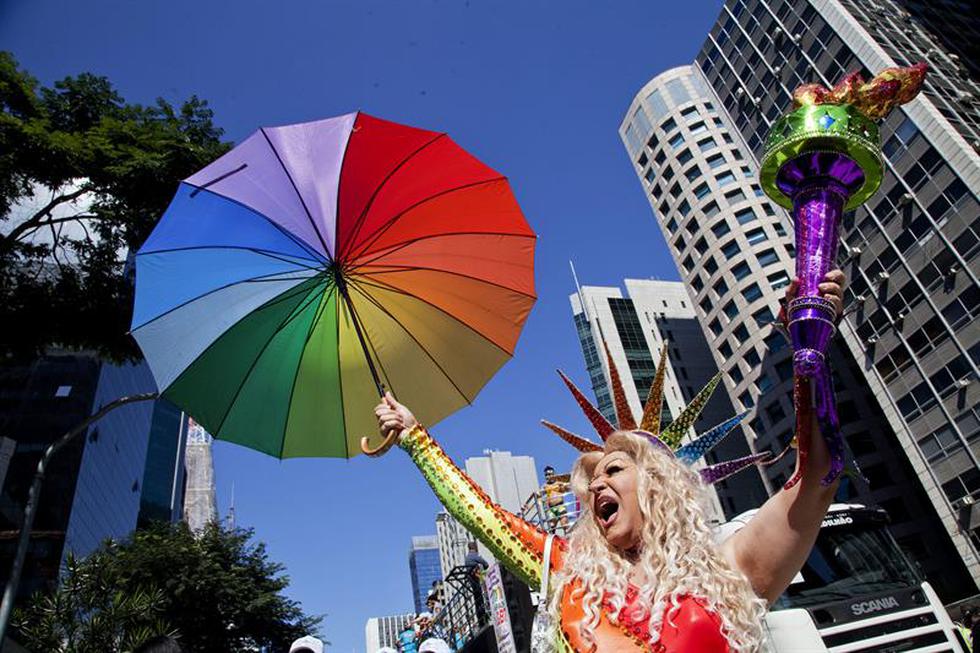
(576, 441)
(675, 431)
(600, 423)
(721, 471)
(671, 437)
(623, 413)
(703, 444)
(655, 398)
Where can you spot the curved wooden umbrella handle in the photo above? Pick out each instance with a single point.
(382, 449)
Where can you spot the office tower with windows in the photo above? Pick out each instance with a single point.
(93, 487)
(425, 568)
(508, 479)
(697, 163)
(635, 329)
(381, 632)
(162, 492)
(911, 252)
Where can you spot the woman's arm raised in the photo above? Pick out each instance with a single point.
(516, 543)
(773, 546)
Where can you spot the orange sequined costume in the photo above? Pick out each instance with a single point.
(520, 547)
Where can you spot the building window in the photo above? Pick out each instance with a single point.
(746, 399)
(701, 245)
(649, 175)
(684, 208)
(715, 326)
(734, 196)
(690, 111)
(730, 249)
(707, 144)
(768, 257)
(698, 128)
(684, 156)
(710, 265)
(778, 280)
(731, 310)
(711, 209)
(752, 293)
(720, 287)
(741, 333)
(756, 236)
(676, 141)
(725, 349)
(672, 225)
(62, 391)
(763, 317)
(715, 160)
(675, 190)
(720, 229)
(675, 88)
(745, 216)
(657, 105)
(725, 178)
(668, 125)
(741, 270)
(735, 374)
(692, 173)
(701, 191)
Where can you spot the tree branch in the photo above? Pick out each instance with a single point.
(79, 217)
(36, 219)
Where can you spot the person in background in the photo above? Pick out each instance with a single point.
(473, 557)
(554, 494)
(306, 644)
(434, 645)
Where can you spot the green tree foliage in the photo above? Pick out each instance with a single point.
(96, 173)
(217, 591)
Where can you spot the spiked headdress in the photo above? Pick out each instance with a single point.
(669, 439)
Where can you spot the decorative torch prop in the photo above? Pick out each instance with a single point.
(821, 159)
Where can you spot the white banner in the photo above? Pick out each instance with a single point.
(498, 610)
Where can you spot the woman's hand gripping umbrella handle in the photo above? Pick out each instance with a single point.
(393, 420)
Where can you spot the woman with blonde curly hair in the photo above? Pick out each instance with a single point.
(641, 570)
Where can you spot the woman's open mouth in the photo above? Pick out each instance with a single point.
(606, 510)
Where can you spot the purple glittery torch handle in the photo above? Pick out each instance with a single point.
(820, 184)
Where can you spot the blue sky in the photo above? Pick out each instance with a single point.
(536, 89)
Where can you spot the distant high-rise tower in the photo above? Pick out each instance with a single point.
(635, 329)
(200, 500)
(454, 541)
(425, 568)
(508, 479)
(906, 364)
(380, 632)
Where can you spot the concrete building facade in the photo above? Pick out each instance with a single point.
(635, 328)
(380, 632)
(696, 157)
(453, 541)
(200, 495)
(911, 252)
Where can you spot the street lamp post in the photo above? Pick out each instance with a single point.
(30, 509)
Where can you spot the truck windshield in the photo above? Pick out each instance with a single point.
(854, 555)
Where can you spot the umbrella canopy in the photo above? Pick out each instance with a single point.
(315, 262)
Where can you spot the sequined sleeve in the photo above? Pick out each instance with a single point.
(518, 545)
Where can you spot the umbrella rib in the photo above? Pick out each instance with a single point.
(259, 279)
(367, 206)
(292, 316)
(279, 256)
(415, 340)
(296, 239)
(298, 194)
(395, 269)
(383, 286)
(391, 221)
(292, 389)
(340, 380)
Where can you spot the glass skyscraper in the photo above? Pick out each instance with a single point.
(425, 568)
(906, 364)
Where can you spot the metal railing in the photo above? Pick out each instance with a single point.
(552, 511)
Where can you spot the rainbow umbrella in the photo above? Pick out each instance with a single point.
(315, 264)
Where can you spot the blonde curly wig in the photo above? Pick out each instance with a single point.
(677, 554)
